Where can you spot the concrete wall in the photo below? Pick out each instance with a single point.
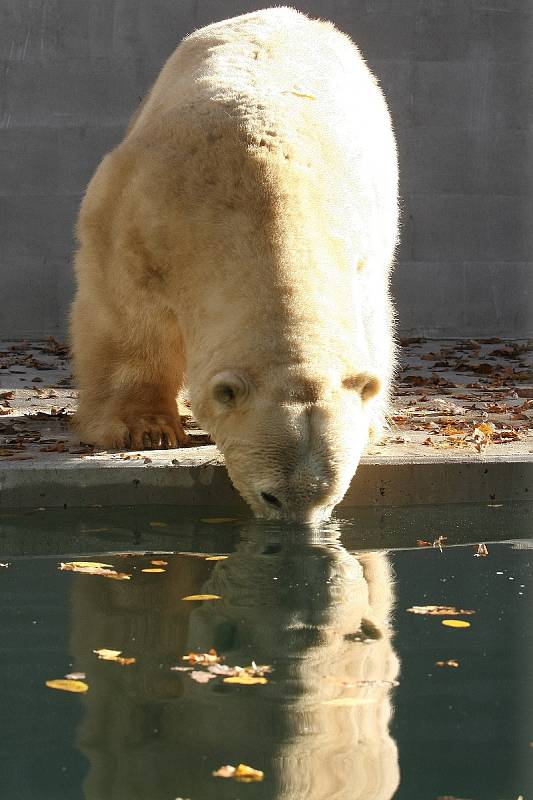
(458, 77)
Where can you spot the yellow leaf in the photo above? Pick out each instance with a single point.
(107, 654)
(114, 655)
(86, 565)
(241, 773)
(245, 679)
(159, 563)
(94, 568)
(67, 686)
(202, 597)
(153, 569)
(216, 520)
(216, 558)
(456, 623)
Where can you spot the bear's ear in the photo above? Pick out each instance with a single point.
(228, 389)
(367, 384)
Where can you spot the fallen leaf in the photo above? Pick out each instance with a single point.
(202, 677)
(216, 558)
(245, 679)
(440, 610)
(242, 773)
(456, 623)
(67, 685)
(76, 676)
(7, 395)
(93, 568)
(153, 569)
(158, 563)
(114, 655)
(202, 597)
(203, 658)
(450, 663)
(482, 550)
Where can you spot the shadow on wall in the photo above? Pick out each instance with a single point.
(318, 728)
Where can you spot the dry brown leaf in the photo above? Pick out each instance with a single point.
(242, 773)
(66, 685)
(441, 610)
(203, 658)
(482, 551)
(94, 568)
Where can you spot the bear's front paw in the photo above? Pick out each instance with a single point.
(153, 432)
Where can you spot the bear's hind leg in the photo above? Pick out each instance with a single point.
(128, 379)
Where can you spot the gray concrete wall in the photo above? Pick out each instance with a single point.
(458, 77)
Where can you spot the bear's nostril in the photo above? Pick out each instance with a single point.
(270, 499)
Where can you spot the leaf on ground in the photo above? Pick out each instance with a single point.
(202, 597)
(447, 611)
(203, 658)
(202, 677)
(242, 773)
(245, 679)
(456, 623)
(66, 685)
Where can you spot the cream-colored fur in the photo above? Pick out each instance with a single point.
(240, 239)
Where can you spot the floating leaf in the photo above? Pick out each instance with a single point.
(159, 563)
(94, 568)
(242, 773)
(76, 676)
(441, 610)
(216, 558)
(67, 685)
(203, 658)
(450, 663)
(456, 623)
(202, 597)
(245, 679)
(201, 676)
(153, 569)
(114, 655)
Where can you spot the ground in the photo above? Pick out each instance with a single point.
(455, 400)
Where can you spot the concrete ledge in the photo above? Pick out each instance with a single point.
(199, 478)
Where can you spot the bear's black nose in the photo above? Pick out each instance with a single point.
(270, 499)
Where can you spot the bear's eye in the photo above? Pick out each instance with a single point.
(225, 393)
(229, 388)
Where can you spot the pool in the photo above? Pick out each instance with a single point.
(384, 655)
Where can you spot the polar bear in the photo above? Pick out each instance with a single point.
(240, 239)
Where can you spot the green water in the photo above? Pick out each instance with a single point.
(354, 705)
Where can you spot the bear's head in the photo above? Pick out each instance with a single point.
(291, 438)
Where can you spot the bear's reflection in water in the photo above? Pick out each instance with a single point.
(319, 729)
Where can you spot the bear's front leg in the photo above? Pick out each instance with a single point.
(128, 380)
